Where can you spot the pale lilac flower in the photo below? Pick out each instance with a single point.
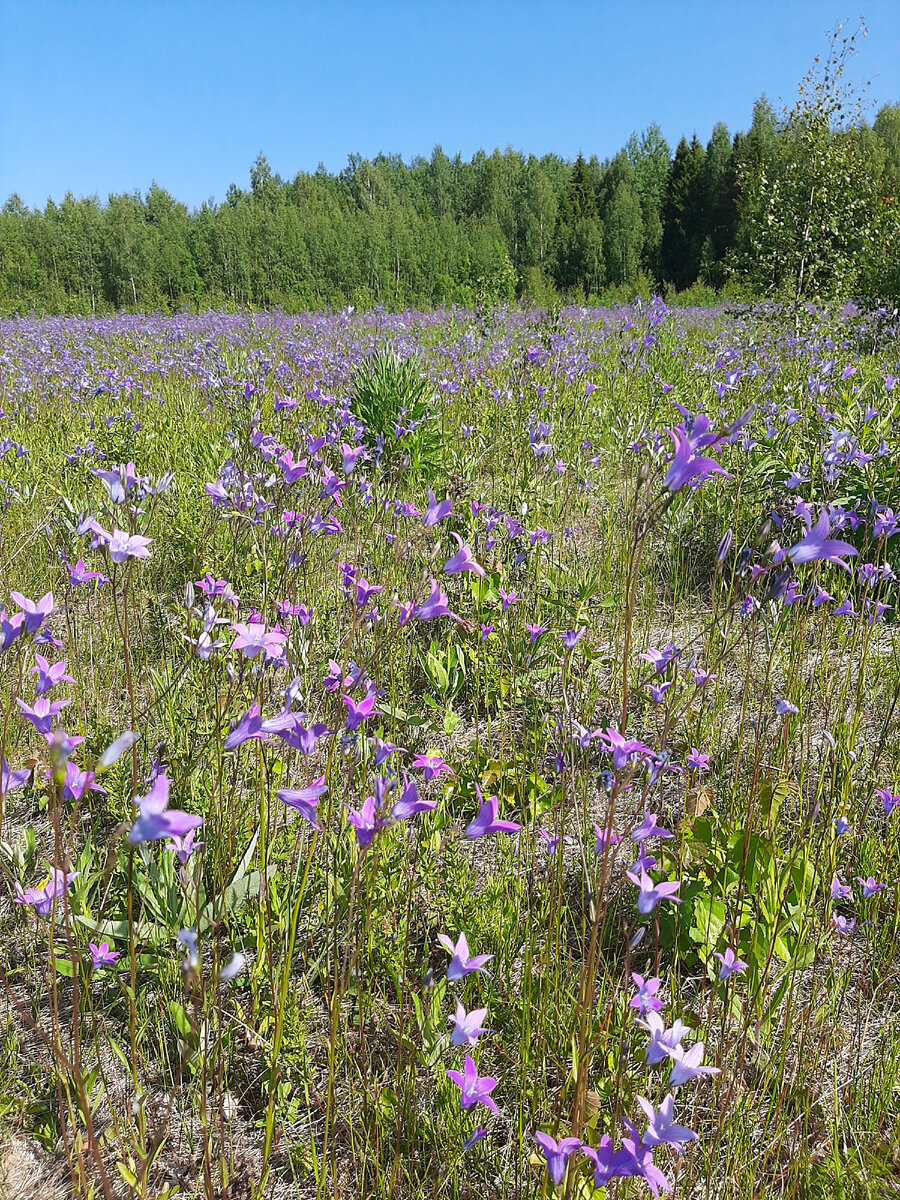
(841, 826)
(731, 964)
(156, 820)
(685, 465)
(77, 783)
(184, 847)
(816, 545)
(507, 599)
(843, 925)
(645, 999)
(572, 637)
(357, 713)
(474, 1089)
(12, 781)
(688, 1064)
(697, 761)
(461, 964)
(304, 800)
(121, 546)
(366, 822)
(467, 1028)
(102, 956)
(605, 837)
(662, 1040)
(256, 638)
(784, 708)
(662, 1129)
(42, 714)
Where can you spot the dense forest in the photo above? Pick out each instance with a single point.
(738, 213)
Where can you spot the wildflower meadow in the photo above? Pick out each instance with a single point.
(451, 754)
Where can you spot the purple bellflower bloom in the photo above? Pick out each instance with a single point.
(409, 803)
(487, 821)
(662, 1040)
(463, 560)
(48, 676)
(648, 828)
(461, 964)
(42, 898)
(650, 894)
(688, 1064)
(35, 612)
(817, 546)
(436, 511)
(474, 1090)
(156, 820)
(435, 606)
(467, 1027)
(645, 999)
(304, 800)
(685, 465)
(662, 1130)
(731, 964)
(102, 956)
(557, 1154)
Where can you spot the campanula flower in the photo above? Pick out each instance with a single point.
(102, 955)
(661, 1129)
(461, 964)
(463, 560)
(557, 1154)
(731, 964)
(474, 1089)
(156, 820)
(650, 893)
(467, 1027)
(645, 999)
(487, 821)
(304, 800)
(688, 1064)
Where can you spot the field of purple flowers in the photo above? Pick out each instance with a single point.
(450, 754)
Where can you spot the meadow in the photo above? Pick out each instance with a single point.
(450, 754)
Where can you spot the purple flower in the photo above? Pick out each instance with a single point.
(688, 1064)
(366, 822)
(784, 708)
(475, 1136)
(645, 999)
(474, 1090)
(184, 847)
(697, 761)
(467, 1025)
(462, 560)
(121, 546)
(350, 456)
(605, 837)
(507, 599)
(42, 898)
(256, 638)
(843, 924)
(357, 713)
(842, 826)
(651, 894)
(409, 803)
(487, 821)
(658, 691)
(102, 956)
(661, 658)
(80, 574)
(622, 749)
(304, 800)
(10, 628)
(12, 781)
(572, 637)
(557, 1154)
(662, 1040)
(888, 799)
(869, 887)
(731, 964)
(461, 964)
(436, 511)
(648, 828)
(435, 606)
(685, 466)
(78, 782)
(662, 1130)
(816, 545)
(535, 632)
(156, 819)
(35, 612)
(840, 891)
(42, 714)
(49, 676)
(432, 764)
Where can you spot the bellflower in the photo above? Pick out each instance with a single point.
(48, 676)
(467, 1027)
(461, 964)
(487, 821)
(662, 1129)
(557, 1154)
(688, 1064)
(156, 820)
(463, 560)
(305, 799)
(474, 1089)
(731, 964)
(650, 894)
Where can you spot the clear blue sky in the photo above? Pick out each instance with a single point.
(109, 95)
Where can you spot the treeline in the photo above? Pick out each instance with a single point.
(439, 230)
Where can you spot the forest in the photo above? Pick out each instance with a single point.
(753, 214)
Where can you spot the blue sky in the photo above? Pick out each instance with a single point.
(99, 96)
